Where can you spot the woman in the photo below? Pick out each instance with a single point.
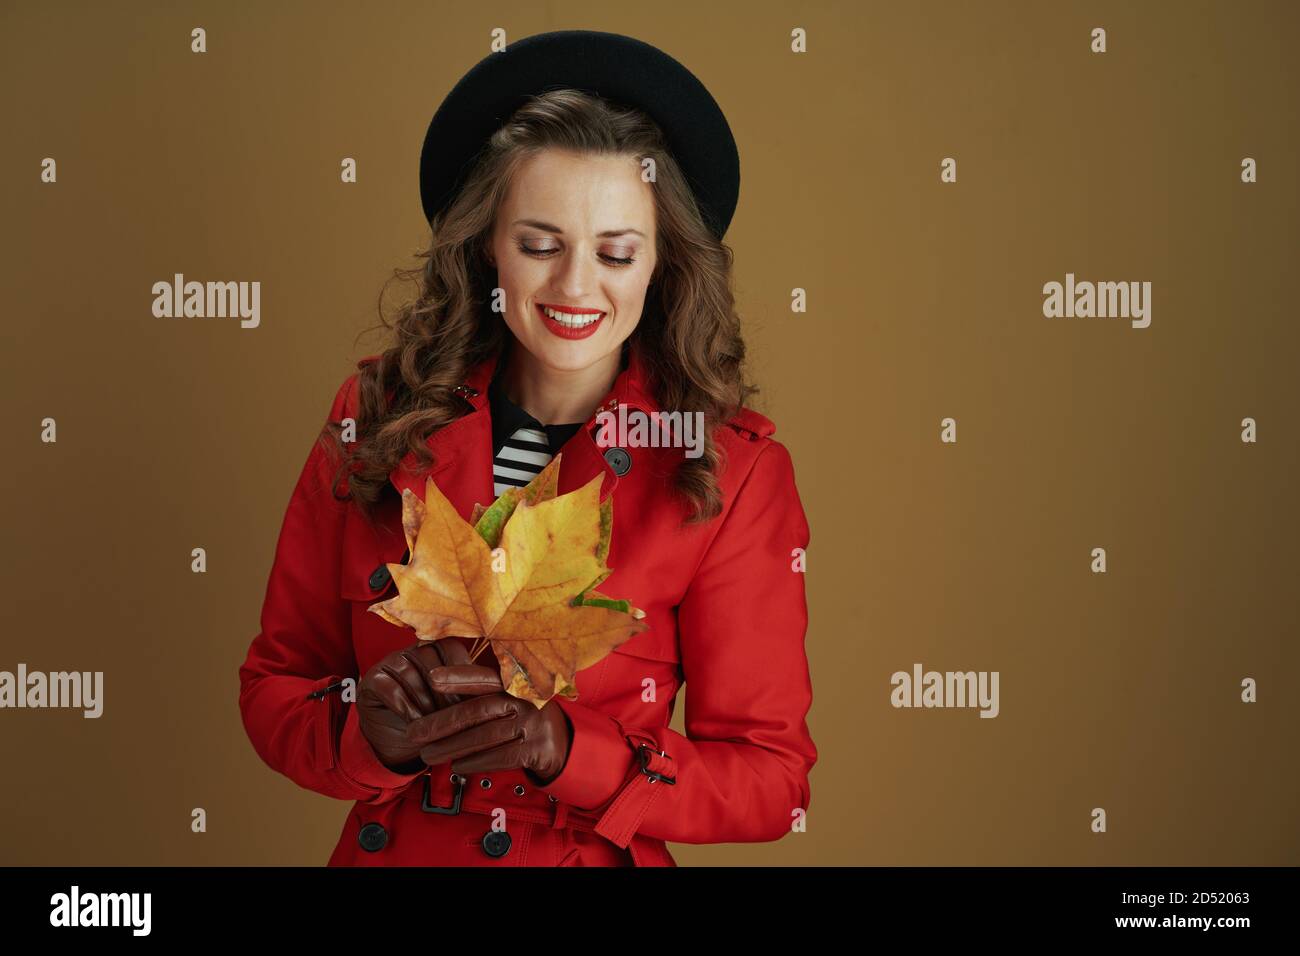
(576, 266)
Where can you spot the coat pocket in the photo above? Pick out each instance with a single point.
(622, 678)
(655, 644)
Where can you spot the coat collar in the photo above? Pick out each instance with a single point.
(632, 386)
(463, 450)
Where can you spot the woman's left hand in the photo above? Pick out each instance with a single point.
(491, 730)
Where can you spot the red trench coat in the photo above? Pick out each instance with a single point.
(726, 609)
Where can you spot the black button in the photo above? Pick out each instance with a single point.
(619, 460)
(379, 578)
(372, 837)
(496, 843)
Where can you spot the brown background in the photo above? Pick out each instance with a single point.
(1118, 690)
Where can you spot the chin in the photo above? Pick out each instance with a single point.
(560, 355)
(570, 359)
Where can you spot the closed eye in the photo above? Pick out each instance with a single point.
(547, 253)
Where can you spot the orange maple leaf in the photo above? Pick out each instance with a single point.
(521, 578)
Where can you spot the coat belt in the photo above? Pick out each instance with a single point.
(618, 823)
(532, 809)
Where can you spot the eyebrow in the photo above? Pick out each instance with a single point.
(607, 234)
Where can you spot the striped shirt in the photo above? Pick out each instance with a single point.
(522, 446)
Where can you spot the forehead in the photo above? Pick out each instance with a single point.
(600, 191)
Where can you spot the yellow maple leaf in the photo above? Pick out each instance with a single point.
(535, 604)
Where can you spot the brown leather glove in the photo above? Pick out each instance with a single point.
(492, 730)
(395, 691)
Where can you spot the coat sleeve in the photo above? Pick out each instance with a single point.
(290, 696)
(742, 768)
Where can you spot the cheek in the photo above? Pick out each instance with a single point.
(519, 282)
(629, 293)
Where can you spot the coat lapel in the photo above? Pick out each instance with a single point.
(463, 450)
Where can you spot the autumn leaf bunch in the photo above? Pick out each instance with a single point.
(520, 577)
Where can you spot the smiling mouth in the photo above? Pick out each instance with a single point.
(570, 323)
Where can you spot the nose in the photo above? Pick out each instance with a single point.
(574, 275)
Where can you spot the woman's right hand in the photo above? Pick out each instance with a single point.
(395, 691)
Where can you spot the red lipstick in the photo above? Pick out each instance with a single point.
(570, 330)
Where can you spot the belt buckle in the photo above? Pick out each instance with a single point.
(427, 806)
(643, 752)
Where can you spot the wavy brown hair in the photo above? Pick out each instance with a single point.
(689, 333)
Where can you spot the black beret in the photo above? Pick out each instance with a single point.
(619, 68)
